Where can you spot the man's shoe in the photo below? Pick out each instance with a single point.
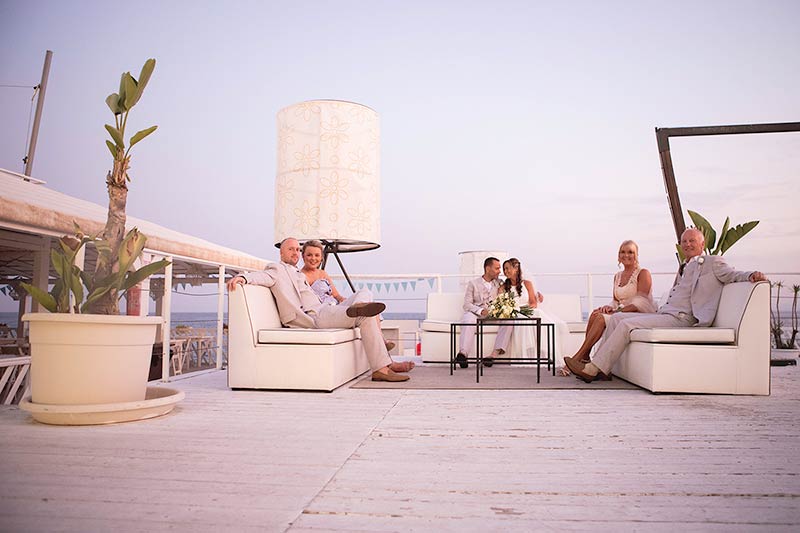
(365, 309)
(488, 361)
(389, 376)
(576, 367)
(461, 359)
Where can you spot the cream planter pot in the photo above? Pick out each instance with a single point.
(90, 359)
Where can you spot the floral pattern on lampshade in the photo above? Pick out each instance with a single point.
(327, 184)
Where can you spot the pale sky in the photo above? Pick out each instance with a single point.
(520, 126)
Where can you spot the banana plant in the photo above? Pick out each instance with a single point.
(727, 237)
(116, 250)
(72, 280)
(112, 236)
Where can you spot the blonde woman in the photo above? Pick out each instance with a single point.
(633, 293)
(323, 287)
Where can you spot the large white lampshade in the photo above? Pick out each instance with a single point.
(327, 185)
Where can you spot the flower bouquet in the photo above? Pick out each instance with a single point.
(505, 306)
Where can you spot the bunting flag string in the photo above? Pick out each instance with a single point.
(385, 286)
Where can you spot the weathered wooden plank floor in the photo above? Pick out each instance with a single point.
(394, 460)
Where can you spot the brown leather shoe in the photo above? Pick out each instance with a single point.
(365, 309)
(390, 376)
(576, 367)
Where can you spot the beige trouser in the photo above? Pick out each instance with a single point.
(466, 340)
(335, 316)
(619, 329)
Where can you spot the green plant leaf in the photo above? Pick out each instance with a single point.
(58, 262)
(705, 227)
(75, 285)
(112, 148)
(122, 95)
(131, 91)
(112, 101)
(734, 234)
(87, 280)
(130, 249)
(142, 134)
(718, 249)
(44, 299)
(143, 273)
(144, 77)
(116, 135)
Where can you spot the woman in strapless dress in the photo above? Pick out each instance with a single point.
(633, 293)
(522, 342)
(323, 287)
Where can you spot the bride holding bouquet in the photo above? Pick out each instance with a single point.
(522, 341)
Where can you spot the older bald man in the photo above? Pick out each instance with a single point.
(300, 307)
(693, 301)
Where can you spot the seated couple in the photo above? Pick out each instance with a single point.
(693, 301)
(519, 342)
(299, 306)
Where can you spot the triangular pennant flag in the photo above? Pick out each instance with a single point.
(396, 286)
(405, 285)
(369, 286)
(413, 285)
(431, 281)
(387, 285)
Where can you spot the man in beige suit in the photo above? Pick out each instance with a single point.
(479, 293)
(693, 301)
(300, 307)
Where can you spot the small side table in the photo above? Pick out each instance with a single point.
(519, 321)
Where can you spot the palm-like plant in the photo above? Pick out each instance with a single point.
(727, 237)
(776, 326)
(116, 250)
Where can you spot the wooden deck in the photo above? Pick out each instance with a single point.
(399, 460)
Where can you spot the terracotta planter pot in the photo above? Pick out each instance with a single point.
(89, 359)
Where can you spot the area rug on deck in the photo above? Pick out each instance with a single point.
(497, 377)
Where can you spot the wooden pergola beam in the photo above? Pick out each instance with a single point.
(668, 172)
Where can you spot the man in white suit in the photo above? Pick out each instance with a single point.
(300, 307)
(693, 301)
(479, 293)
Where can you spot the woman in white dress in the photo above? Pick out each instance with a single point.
(523, 339)
(633, 293)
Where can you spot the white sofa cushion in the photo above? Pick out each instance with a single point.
(685, 335)
(445, 306)
(567, 307)
(306, 336)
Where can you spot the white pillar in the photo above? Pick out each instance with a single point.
(166, 309)
(220, 313)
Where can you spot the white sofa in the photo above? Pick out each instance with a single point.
(445, 308)
(730, 357)
(264, 355)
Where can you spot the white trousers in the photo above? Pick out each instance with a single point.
(619, 329)
(335, 316)
(466, 339)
